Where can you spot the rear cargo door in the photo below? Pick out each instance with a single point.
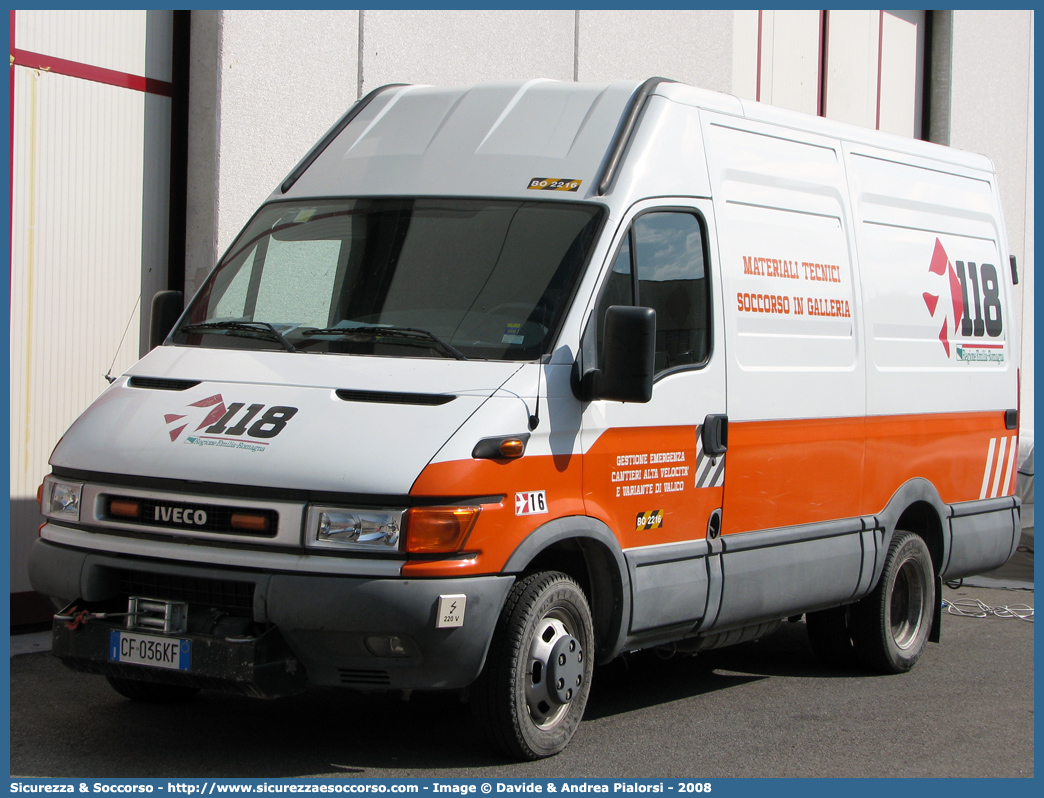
(651, 470)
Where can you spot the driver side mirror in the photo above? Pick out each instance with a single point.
(166, 309)
(628, 357)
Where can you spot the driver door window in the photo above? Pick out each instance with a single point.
(661, 265)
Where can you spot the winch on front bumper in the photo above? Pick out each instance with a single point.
(351, 631)
(207, 651)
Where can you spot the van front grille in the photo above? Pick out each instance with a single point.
(249, 522)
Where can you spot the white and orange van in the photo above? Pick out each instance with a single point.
(505, 381)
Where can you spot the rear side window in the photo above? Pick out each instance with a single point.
(661, 265)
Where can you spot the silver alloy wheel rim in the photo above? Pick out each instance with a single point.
(544, 708)
(907, 604)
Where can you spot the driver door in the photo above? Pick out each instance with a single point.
(655, 472)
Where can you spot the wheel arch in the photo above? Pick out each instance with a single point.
(917, 507)
(587, 550)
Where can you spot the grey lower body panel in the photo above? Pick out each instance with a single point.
(669, 585)
(983, 536)
(324, 620)
(749, 578)
(781, 572)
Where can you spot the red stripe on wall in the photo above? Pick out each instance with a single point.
(757, 95)
(824, 35)
(880, 52)
(10, 202)
(74, 69)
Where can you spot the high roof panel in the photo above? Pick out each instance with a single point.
(490, 139)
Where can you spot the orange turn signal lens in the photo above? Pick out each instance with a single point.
(124, 509)
(253, 523)
(435, 530)
(512, 448)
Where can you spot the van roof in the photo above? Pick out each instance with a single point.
(496, 139)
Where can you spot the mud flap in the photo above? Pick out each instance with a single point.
(935, 635)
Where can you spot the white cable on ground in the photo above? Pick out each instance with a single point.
(973, 608)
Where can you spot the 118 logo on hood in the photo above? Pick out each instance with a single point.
(233, 421)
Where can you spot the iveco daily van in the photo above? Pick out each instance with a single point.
(505, 381)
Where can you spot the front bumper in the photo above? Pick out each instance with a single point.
(262, 667)
(316, 623)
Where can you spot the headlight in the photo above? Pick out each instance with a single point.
(347, 528)
(60, 499)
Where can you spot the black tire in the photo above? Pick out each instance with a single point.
(531, 695)
(151, 692)
(890, 627)
(829, 633)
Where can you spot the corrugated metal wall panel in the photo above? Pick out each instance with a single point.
(89, 221)
(851, 79)
(745, 55)
(790, 59)
(791, 75)
(902, 71)
(135, 42)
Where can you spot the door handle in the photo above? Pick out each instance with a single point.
(715, 434)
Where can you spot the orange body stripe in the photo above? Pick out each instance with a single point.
(777, 474)
(783, 473)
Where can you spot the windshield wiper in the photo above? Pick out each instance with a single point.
(405, 334)
(234, 327)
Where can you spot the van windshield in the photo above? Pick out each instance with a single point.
(460, 278)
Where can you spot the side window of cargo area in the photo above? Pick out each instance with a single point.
(660, 265)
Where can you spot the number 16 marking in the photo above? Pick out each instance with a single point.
(533, 502)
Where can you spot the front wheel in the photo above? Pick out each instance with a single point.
(532, 692)
(890, 627)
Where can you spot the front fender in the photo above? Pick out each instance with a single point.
(607, 574)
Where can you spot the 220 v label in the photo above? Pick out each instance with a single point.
(158, 652)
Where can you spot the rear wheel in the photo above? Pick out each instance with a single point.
(890, 627)
(151, 692)
(532, 692)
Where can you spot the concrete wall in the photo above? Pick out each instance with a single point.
(691, 46)
(452, 47)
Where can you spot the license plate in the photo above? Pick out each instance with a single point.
(158, 652)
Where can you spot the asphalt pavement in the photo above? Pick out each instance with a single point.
(761, 709)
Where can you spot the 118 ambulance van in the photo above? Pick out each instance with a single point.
(505, 381)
